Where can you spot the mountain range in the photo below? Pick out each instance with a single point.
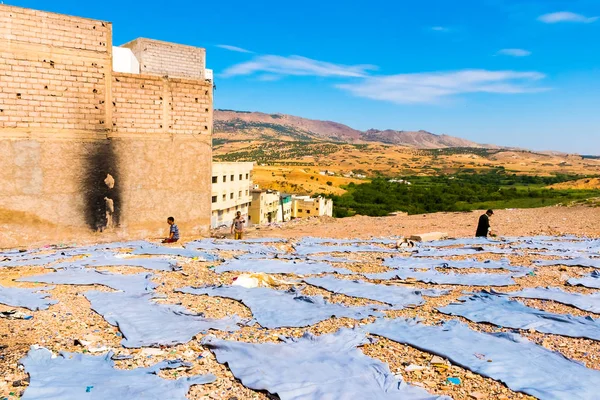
(230, 124)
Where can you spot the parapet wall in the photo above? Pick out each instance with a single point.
(170, 59)
(66, 121)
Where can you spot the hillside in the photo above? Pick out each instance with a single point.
(587, 184)
(419, 139)
(232, 125)
(293, 153)
(257, 124)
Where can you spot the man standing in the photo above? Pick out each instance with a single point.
(237, 226)
(483, 228)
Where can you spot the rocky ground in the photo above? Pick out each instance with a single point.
(65, 325)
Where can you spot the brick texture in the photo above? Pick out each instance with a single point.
(137, 103)
(54, 76)
(38, 27)
(173, 60)
(152, 104)
(43, 88)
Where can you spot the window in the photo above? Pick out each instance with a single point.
(214, 199)
(214, 179)
(246, 193)
(231, 178)
(231, 195)
(240, 195)
(247, 176)
(240, 177)
(224, 197)
(224, 178)
(308, 211)
(299, 210)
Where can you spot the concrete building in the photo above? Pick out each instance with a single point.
(306, 206)
(264, 207)
(68, 120)
(231, 186)
(284, 211)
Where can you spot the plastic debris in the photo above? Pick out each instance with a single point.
(259, 279)
(14, 314)
(454, 381)
(413, 367)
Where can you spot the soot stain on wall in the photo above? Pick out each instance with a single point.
(101, 161)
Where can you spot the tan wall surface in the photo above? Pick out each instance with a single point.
(66, 121)
(162, 177)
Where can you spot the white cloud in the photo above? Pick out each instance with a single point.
(439, 29)
(566, 16)
(234, 48)
(514, 52)
(297, 66)
(431, 87)
(269, 78)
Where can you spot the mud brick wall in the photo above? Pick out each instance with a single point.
(171, 59)
(154, 104)
(66, 120)
(162, 136)
(137, 103)
(52, 70)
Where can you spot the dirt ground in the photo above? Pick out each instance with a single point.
(580, 221)
(64, 325)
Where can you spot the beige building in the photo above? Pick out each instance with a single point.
(284, 211)
(306, 206)
(69, 119)
(265, 206)
(231, 186)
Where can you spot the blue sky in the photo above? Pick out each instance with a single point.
(520, 73)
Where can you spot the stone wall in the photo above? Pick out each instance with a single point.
(66, 121)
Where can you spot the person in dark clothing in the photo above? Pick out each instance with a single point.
(483, 228)
(173, 231)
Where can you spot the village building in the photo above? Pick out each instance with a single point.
(284, 212)
(306, 206)
(231, 186)
(265, 206)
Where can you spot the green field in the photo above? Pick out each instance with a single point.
(459, 192)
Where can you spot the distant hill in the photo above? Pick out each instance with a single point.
(420, 139)
(240, 125)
